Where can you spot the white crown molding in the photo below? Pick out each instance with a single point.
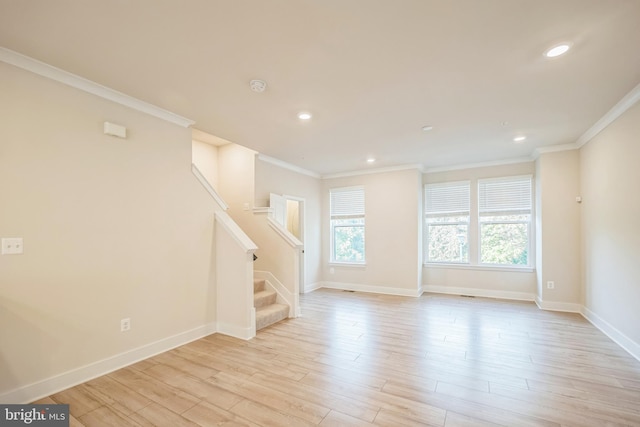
(553, 149)
(45, 70)
(480, 165)
(374, 171)
(288, 166)
(620, 108)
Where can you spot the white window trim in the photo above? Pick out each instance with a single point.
(426, 224)
(474, 236)
(332, 260)
(530, 229)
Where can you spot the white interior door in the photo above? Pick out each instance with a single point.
(278, 205)
(288, 211)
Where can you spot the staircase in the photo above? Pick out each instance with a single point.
(268, 311)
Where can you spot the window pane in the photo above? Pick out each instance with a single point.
(348, 241)
(506, 244)
(448, 243)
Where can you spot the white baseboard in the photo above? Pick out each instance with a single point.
(358, 287)
(312, 287)
(568, 307)
(40, 389)
(475, 292)
(630, 346)
(236, 331)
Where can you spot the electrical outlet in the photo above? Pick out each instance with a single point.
(551, 285)
(12, 246)
(125, 325)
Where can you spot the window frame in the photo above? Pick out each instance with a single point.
(519, 210)
(459, 210)
(352, 212)
(474, 230)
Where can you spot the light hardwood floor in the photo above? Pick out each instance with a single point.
(356, 359)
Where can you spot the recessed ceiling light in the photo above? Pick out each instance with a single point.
(519, 138)
(304, 115)
(371, 160)
(557, 50)
(427, 128)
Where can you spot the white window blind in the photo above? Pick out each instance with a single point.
(347, 203)
(504, 195)
(449, 198)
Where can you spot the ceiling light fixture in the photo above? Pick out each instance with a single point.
(519, 138)
(258, 85)
(557, 50)
(427, 128)
(371, 160)
(304, 115)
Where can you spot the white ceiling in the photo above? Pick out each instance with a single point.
(372, 72)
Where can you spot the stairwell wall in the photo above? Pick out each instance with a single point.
(270, 178)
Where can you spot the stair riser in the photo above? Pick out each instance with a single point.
(258, 285)
(264, 321)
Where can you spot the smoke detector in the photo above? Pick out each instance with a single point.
(258, 85)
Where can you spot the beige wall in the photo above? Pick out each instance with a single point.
(271, 178)
(480, 280)
(558, 219)
(112, 228)
(236, 182)
(392, 232)
(205, 157)
(610, 225)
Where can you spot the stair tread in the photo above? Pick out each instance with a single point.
(263, 293)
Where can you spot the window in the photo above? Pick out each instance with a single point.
(347, 225)
(504, 218)
(447, 222)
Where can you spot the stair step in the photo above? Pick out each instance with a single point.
(258, 285)
(264, 298)
(270, 314)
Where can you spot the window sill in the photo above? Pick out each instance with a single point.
(347, 264)
(453, 266)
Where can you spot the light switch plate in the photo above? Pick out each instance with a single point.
(12, 245)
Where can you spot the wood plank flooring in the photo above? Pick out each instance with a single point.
(356, 359)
